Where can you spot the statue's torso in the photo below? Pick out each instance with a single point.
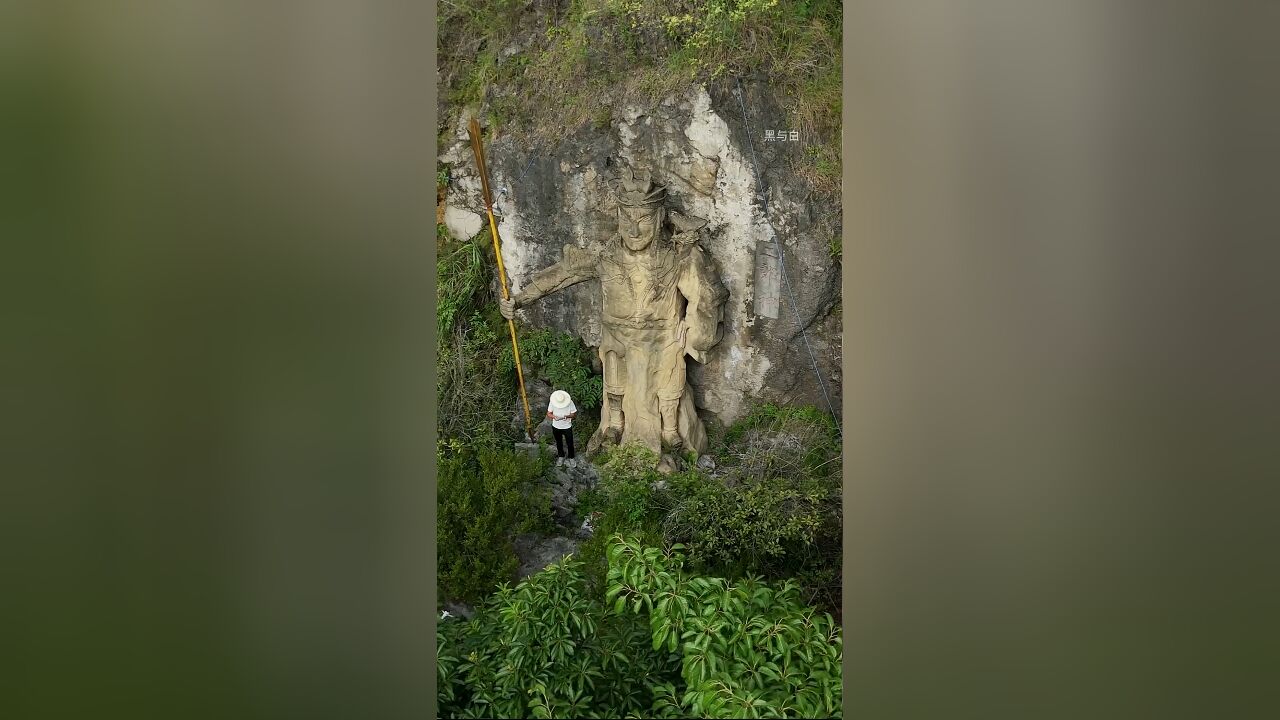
(640, 290)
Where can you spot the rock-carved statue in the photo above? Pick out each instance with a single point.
(663, 300)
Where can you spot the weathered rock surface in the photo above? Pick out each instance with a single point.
(463, 224)
(567, 483)
(537, 552)
(458, 610)
(570, 481)
(698, 146)
(539, 394)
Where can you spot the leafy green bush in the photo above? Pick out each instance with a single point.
(746, 649)
(550, 647)
(757, 525)
(777, 499)
(447, 662)
(484, 498)
(474, 402)
(773, 507)
(628, 474)
(624, 501)
(562, 360)
(776, 508)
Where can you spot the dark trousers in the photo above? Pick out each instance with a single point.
(567, 435)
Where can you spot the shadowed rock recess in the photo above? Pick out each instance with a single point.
(694, 143)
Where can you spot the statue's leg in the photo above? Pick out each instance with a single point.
(670, 421)
(692, 432)
(615, 385)
(671, 384)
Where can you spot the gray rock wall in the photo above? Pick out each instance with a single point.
(696, 145)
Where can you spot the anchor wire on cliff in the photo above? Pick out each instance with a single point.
(782, 264)
(506, 189)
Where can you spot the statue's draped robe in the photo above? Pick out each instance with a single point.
(646, 295)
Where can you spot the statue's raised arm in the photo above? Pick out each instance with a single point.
(576, 265)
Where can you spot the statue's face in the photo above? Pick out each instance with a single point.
(639, 227)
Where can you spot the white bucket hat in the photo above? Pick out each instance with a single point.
(560, 399)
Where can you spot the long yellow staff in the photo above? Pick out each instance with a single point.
(474, 131)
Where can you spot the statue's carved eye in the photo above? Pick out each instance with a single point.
(643, 217)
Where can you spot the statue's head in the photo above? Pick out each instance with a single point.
(641, 212)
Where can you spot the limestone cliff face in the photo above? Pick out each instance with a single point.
(697, 146)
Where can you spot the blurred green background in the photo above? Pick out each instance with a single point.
(219, 429)
(218, 318)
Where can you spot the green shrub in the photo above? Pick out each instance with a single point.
(461, 278)
(776, 501)
(561, 359)
(484, 498)
(659, 642)
(763, 525)
(624, 501)
(474, 403)
(474, 399)
(774, 440)
(746, 649)
(548, 648)
(628, 464)
(447, 662)
(773, 508)
(777, 507)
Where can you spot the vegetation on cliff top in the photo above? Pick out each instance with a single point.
(535, 67)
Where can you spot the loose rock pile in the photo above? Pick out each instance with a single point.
(567, 483)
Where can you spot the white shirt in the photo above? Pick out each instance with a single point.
(560, 416)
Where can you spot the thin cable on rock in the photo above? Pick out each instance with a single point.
(505, 189)
(773, 235)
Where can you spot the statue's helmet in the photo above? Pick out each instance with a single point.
(639, 191)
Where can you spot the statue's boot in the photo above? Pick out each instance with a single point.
(611, 433)
(670, 410)
(667, 464)
(593, 445)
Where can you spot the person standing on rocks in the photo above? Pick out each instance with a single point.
(561, 411)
